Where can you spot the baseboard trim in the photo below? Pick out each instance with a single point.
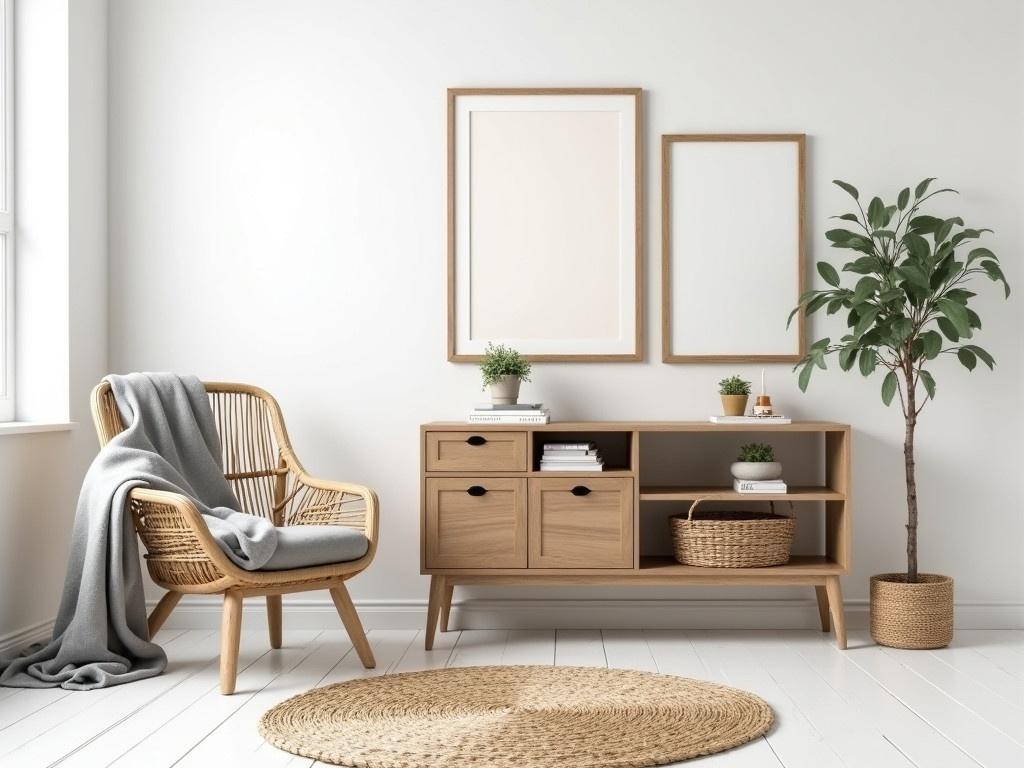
(19, 639)
(310, 613)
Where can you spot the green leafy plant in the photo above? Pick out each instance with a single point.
(501, 361)
(758, 452)
(733, 385)
(909, 306)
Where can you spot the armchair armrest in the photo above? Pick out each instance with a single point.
(313, 501)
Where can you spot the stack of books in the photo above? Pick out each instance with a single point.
(518, 413)
(776, 419)
(571, 457)
(759, 486)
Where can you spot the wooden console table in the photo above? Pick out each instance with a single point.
(489, 516)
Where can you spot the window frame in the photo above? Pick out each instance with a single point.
(7, 252)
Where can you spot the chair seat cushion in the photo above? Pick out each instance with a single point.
(303, 546)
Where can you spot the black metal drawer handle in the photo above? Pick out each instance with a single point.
(580, 490)
(476, 490)
(476, 439)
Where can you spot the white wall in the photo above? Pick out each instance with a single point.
(277, 192)
(61, 264)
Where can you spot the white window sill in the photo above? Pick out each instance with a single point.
(29, 427)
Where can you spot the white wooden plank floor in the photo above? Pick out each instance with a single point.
(958, 707)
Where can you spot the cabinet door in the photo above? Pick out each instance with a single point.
(580, 522)
(475, 522)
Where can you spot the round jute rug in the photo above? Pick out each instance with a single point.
(515, 717)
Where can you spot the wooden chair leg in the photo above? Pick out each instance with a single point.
(437, 590)
(161, 612)
(835, 604)
(230, 634)
(822, 594)
(353, 625)
(446, 605)
(274, 619)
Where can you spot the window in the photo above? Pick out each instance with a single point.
(6, 213)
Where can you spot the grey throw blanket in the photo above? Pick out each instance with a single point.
(100, 637)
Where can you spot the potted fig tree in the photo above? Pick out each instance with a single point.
(503, 368)
(907, 304)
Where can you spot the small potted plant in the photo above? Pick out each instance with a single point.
(503, 368)
(734, 392)
(756, 462)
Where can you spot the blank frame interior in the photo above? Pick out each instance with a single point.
(732, 247)
(543, 223)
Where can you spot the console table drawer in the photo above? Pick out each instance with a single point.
(475, 522)
(581, 522)
(476, 451)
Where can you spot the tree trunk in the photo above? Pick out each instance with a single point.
(908, 458)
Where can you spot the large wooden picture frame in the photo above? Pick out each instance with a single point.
(732, 211)
(545, 222)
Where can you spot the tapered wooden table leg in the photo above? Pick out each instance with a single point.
(446, 605)
(835, 604)
(822, 594)
(437, 589)
(230, 634)
(353, 625)
(274, 620)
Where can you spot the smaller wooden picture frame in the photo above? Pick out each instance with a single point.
(733, 264)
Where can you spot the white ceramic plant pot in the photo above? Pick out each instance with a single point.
(505, 391)
(756, 470)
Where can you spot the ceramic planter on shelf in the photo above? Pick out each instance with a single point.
(734, 405)
(916, 616)
(505, 391)
(756, 470)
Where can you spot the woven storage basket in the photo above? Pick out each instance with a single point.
(732, 539)
(912, 615)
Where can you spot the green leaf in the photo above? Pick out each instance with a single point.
(917, 246)
(986, 358)
(903, 199)
(980, 253)
(932, 344)
(821, 343)
(960, 295)
(847, 217)
(889, 385)
(973, 319)
(914, 275)
(957, 315)
(943, 230)
(925, 224)
(805, 376)
(792, 314)
(891, 294)
(835, 305)
(876, 213)
(902, 327)
(848, 188)
(921, 188)
(929, 383)
(948, 329)
(828, 273)
(867, 362)
(864, 265)
(883, 234)
(996, 274)
(866, 288)
(967, 358)
(840, 235)
(887, 214)
(847, 356)
(817, 303)
(864, 320)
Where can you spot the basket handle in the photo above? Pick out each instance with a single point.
(723, 497)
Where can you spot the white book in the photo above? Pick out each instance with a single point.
(750, 420)
(564, 467)
(560, 452)
(508, 406)
(569, 446)
(572, 459)
(525, 418)
(759, 486)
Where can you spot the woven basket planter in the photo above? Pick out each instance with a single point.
(912, 615)
(731, 539)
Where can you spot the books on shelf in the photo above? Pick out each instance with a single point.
(759, 486)
(571, 457)
(780, 419)
(533, 416)
(508, 407)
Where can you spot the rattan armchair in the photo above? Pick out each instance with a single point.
(270, 482)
